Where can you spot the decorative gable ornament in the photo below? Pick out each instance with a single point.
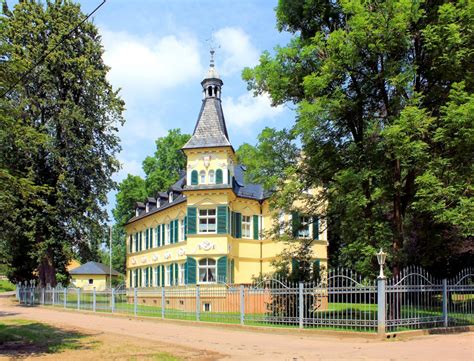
(207, 161)
(206, 245)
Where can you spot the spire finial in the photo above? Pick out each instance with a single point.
(213, 45)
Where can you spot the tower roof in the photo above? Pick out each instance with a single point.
(210, 129)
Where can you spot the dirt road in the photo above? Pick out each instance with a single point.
(239, 344)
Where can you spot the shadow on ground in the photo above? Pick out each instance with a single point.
(22, 337)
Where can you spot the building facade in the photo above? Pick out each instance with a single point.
(210, 226)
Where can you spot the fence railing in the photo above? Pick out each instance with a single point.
(341, 301)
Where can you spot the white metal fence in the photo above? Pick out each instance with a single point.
(342, 301)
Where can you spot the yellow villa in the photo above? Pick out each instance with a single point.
(209, 226)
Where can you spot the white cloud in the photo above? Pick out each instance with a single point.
(145, 66)
(237, 50)
(247, 110)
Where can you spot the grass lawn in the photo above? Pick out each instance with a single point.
(19, 338)
(6, 286)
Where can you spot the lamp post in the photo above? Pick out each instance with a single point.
(381, 256)
(110, 256)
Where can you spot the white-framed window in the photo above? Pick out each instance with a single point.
(171, 197)
(181, 274)
(212, 177)
(169, 269)
(207, 220)
(147, 208)
(207, 270)
(303, 231)
(246, 226)
(167, 233)
(202, 177)
(155, 279)
(182, 230)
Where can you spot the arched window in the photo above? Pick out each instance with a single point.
(212, 177)
(207, 270)
(202, 177)
(209, 90)
(219, 176)
(194, 177)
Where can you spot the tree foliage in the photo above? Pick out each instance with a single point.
(384, 115)
(58, 138)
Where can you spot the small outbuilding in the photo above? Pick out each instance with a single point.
(92, 275)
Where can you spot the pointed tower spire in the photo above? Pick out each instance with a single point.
(210, 130)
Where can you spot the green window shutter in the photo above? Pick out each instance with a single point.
(162, 275)
(186, 272)
(141, 241)
(192, 220)
(238, 225)
(176, 230)
(191, 271)
(222, 269)
(232, 271)
(185, 227)
(194, 177)
(295, 223)
(171, 275)
(176, 270)
(221, 219)
(140, 277)
(171, 232)
(163, 234)
(158, 236)
(130, 244)
(151, 276)
(147, 238)
(256, 230)
(232, 223)
(219, 176)
(135, 276)
(229, 222)
(315, 228)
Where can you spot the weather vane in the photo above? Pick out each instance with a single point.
(213, 45)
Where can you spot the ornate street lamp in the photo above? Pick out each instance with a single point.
(381, 256)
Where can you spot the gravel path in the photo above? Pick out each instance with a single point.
(242, 344)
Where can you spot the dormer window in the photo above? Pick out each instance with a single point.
(147, 208)
(158, 203)
(137, 212)
(171, 197)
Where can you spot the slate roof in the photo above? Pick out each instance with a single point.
(210, 130)
(163, 205)
(93, 268)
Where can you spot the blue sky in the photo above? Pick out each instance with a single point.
(158, 55)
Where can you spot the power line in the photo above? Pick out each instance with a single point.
(64, 37)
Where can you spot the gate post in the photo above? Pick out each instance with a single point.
(42, 295)
(445, 302)
(65, 297)
(135, 301)
(300, 304)
(163, 302)
(53, 297)
(112, 303)
(78, 298)
(381, 305)
(198, 303)
(242, 305)
(93, 299)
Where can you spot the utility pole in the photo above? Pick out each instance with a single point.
(110, 255)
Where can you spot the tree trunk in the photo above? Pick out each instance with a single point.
(47, 271)
(397, 218)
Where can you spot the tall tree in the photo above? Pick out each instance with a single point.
(269, 160)
(58, 137)
(162, 169)
(377, 85)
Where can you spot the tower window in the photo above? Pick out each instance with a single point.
(211, 177)
(194, 177)
(219, 176)
(202, 177)
(209, 90)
